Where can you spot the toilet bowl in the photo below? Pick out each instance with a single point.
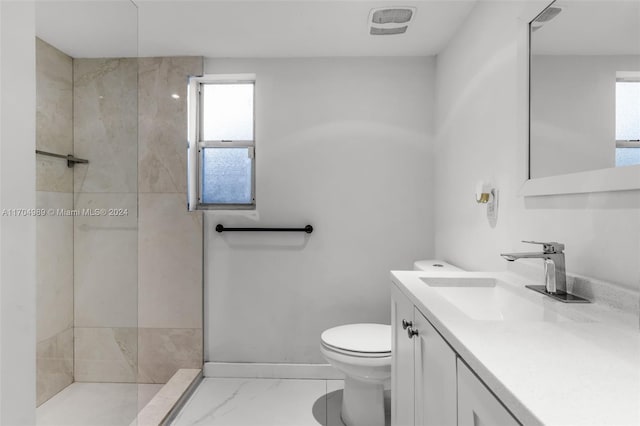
(363, 353)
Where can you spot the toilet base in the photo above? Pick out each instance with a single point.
(362, 403)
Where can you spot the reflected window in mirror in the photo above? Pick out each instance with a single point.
(627, 119)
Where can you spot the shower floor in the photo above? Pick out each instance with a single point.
(95, 404)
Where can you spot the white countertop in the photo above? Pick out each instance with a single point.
(580, 372)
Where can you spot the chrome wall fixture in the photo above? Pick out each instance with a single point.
(71, 159)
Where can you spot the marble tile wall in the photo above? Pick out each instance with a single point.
(170, 238)
(105, 126)
(54, 234)
(106, 294)
(107, 354)
(105, 246)
(54, 266)
(163, 122)
(135, 299)
(54, 117)
(163, 351)
(54, 365)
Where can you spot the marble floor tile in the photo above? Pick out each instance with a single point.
(95, 404)
(267, 402)
(248, 402)
(334, 402)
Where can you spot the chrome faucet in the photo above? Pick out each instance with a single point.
(555, 277)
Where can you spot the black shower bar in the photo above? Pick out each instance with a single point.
(308, 229)
(71, 160)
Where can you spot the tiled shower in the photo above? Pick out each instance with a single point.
(119, 259)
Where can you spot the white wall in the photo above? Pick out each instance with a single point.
(344, 145)
(481, 89)
(573, 121)
(17, 190)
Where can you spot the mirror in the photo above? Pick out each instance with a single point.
(584, 87)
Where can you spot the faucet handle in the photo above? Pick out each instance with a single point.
(551, 247)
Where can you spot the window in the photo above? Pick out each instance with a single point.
(627, 119)
(221, 160)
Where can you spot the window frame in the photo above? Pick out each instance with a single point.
(196, 143)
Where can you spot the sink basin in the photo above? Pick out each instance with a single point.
(489, 299)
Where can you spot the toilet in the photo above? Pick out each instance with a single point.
(363, 353)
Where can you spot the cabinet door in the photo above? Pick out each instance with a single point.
(402, 361)
(435, 376)
(476, 404)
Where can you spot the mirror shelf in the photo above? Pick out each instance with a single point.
(603, 180)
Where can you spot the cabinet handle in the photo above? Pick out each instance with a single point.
(411, 332)
(406, 324)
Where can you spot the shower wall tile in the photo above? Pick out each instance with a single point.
(54, 365)
(170, 263)
(162, 351)
(54, 265)
(54, 117)
(54, 232)
(106, 354)
(105, 261)
(170, 238)
(162, 149)
(105, 124)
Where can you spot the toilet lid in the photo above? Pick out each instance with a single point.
(363, 338)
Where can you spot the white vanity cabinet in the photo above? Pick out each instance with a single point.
(423, 372)
(430, 385)
(402, 368)
(476, 404)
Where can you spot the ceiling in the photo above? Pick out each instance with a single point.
(596, 27)
(87, 28)
(239, 28)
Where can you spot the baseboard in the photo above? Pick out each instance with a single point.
(271, 371)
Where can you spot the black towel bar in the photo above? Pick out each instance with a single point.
(71, 160)
(308, 229)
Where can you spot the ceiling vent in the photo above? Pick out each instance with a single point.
(390, 20)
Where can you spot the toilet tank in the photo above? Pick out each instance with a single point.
(434, 264)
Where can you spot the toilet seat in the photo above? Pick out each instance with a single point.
(357, 354)
(359, 340)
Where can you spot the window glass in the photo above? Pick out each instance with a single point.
(227, 175)
(227, 112)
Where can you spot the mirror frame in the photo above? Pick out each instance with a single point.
(602, 180)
